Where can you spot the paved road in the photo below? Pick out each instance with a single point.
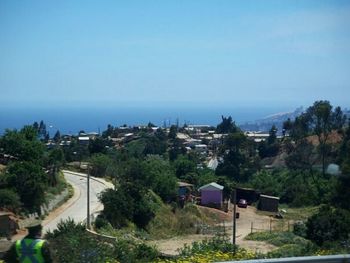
(76, 207)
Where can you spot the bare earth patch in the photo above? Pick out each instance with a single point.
(247, 215)
(172, 245)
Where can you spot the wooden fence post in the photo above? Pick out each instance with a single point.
(251, 227)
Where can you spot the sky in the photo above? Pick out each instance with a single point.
(180, 52)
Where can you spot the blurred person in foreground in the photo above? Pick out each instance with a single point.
(31, 249)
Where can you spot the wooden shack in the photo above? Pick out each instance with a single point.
(268, 203)
(249, 194)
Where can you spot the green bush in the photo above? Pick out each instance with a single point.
(71, 243)
(328, 225)
(288, 250)
(9, 199)
(129, 251)
(101, 222)
(217, 243)
(299, 229)
(278, 238)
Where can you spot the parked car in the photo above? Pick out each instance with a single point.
(242, 203)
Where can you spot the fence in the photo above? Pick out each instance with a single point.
(220, 229)
(271, 225)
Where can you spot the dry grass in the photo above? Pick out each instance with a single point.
(181, 222)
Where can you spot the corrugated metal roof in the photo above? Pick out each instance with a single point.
(269, 196)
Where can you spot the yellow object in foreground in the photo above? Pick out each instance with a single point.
(213, 256)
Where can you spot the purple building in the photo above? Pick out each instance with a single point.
(211, 194)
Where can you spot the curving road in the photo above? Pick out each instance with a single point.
(75, 207)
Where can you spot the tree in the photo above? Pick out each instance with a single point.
(301, 156)
(321, 122)
(176, 149)
(23, 145)
(328, 225)
(109, 132)
(154, 146)
(270, 147)
(150, 125)
(344, 151)
(76, 152)
(339, 118)
(319, 119)
(272, 135)
(99, 145)
(9, 199)
(160, 134)
(227, 125)
(161, 178)
(29, 181)
(183, 166)
(42, 130)
(172, 132)
(234, 157)
(55, 161)
(342, 194)
(99, 165)
(57, 136)
(298, 129)
(36, 126)
(118, 206)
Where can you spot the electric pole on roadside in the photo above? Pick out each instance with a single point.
(234, 219)
(88, 226)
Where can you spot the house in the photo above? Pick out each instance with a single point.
(84, 140)
(268, 203)
(211, 195)
(92, 135)
(257, 136)
(200, 148)
(184, 189)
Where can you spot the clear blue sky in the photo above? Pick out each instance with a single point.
(179, 52)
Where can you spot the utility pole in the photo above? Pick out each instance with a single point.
(88, 226)
(234, 219)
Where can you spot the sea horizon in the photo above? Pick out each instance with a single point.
(70, 120)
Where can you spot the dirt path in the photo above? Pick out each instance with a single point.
(247, 215)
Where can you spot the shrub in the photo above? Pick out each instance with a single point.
(328, 225)
(72, 238)
(212, 250)
(216, 243)
(288, 250)
(278, 238)
(101, 222)
(9, 199)
(299, 229)
(128, 250)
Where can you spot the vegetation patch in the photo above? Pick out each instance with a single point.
(59, 188)
(170, 222)
(278, 239)
(215, 249)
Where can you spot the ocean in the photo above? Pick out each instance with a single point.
(72, 120)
